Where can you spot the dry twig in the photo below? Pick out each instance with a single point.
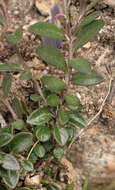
(98, 113)
(103, 103)
(32, 150)
(7, 104)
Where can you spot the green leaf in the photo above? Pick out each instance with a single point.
(6, 84)
(27, 166)
(53, 100)
(88, 32)
(72, 132)
(10, 162)
(86, 183)
(43, 133)
(3, 172)
(18, 124)
(52, 187)
(7, 129)
(2, 155)
(91, 17)
(5, 138)
(39, 151)
(33, 157)
(91, 5)
(21, 142)
(77, 119)
(45, 91)
(53, 84)
(47, 29)
(39, 116)
(10, 68)
(1, 20)
(17, 107)
(37, 128)
(26, 76)
(73, 103)
(48, 145)
(80, 64)
(83, 79)
(11, 179)
(63, 116)
(15, 37)
(53, 57)
(60, 135)
(2, 187)
(35, 97)
(58, 152)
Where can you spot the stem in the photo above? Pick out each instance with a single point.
(70, 56)
(7, 104)
(103, 103)
(65, 7)
(77, 24)
(38, 89)
(32, 150)
(98, 113)
(70, 42)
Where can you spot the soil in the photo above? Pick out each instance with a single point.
(93, 152)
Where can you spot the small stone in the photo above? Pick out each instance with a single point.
(14, 59)
(36, 61)
(16, 12)
(78, 95)
(87, 46)
(113, 22)
(26, 26)
(44, 6)
(32, 37)
(33, 181)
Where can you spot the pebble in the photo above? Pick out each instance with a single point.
(16, 12)
(87, 46)
(113, 22)
(33, 181)
(44, 6)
